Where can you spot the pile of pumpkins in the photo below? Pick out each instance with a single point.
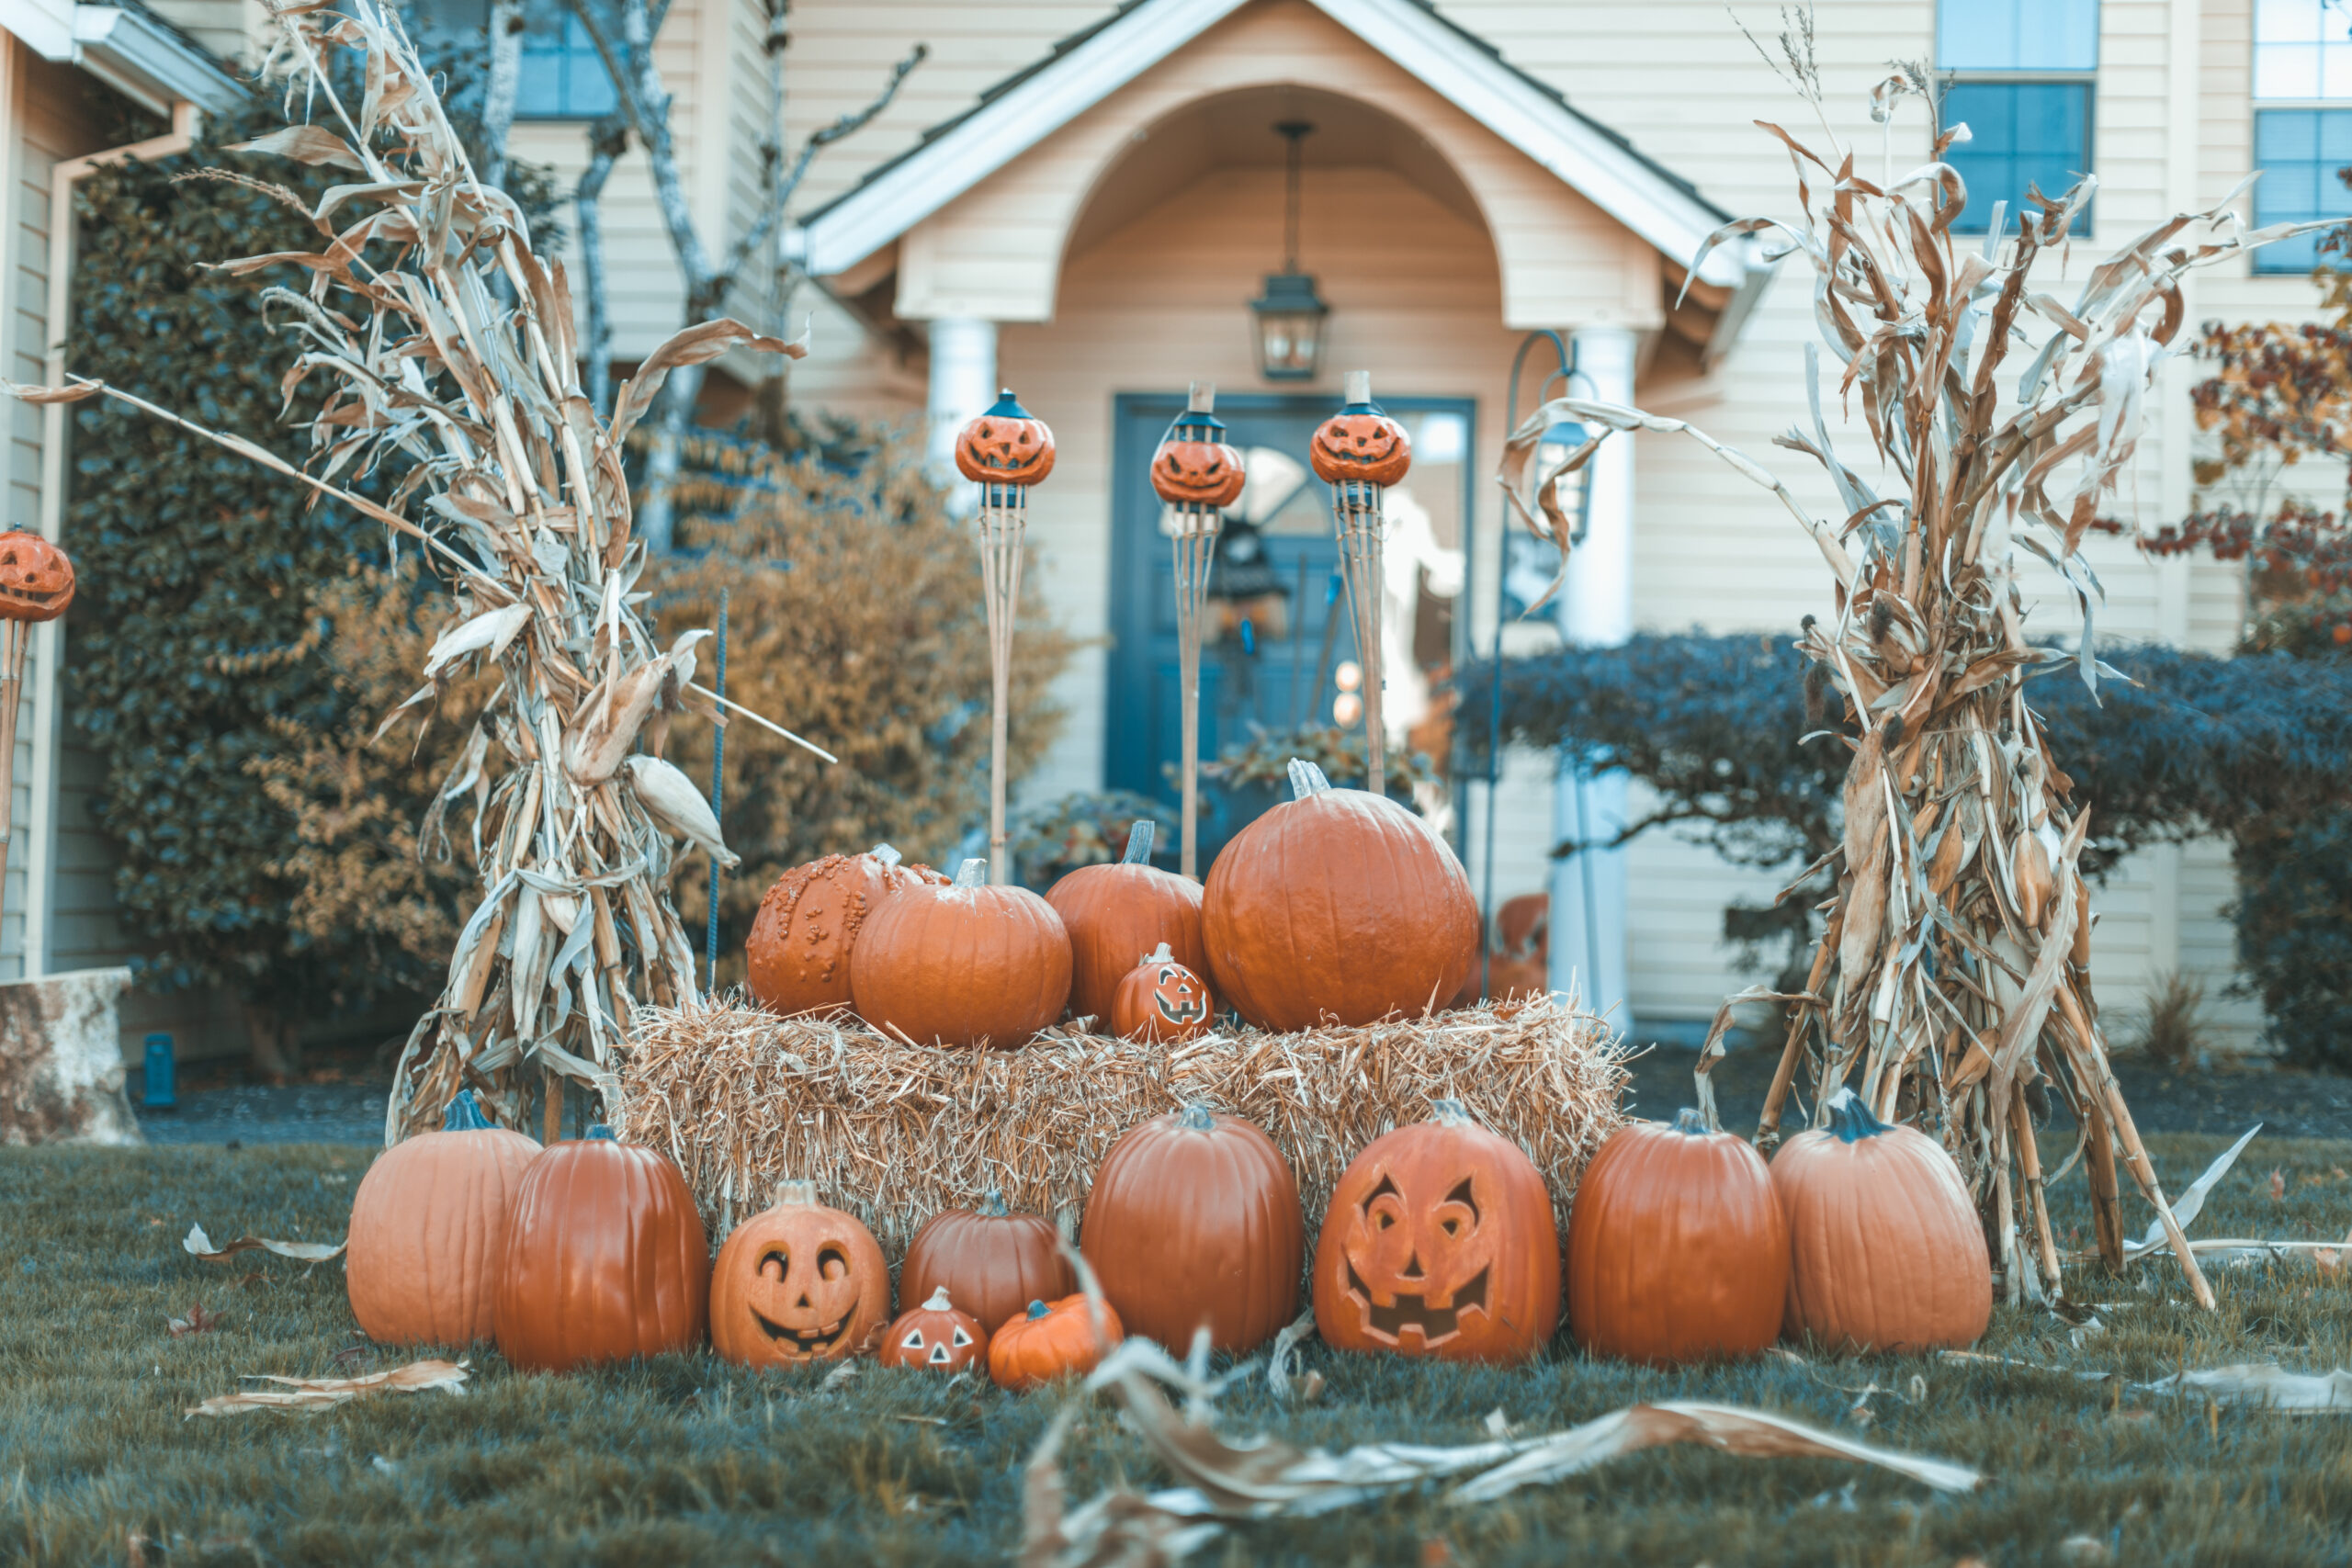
(1337, 906)
(1439, 1241)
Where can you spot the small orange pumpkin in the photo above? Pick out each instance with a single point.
(1052, 1340)
(963, 964)
(1160, 1001)
(428, 1227)
(935, 1337)
(1362, 444)
(1440, 1242)
(799, 1282)
(1005, 445)
(1886, 1252)
(36, 578)
(1678, 1250)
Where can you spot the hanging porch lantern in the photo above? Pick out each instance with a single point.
(1004, 451)
(1197, 476)
(1360, 452)
(1289, 314)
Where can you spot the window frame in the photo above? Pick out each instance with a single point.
(564, 53)
(1978, 219)
(2260, 264)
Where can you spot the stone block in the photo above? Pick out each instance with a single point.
(61, 1060)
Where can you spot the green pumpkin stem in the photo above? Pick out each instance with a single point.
(993, 1204)
(1139, 840)
(1850, 1119)
(1196, 1119)
(599, 1132)
(1036, 1311)
(1690, 1123)
(1307, 780)
(1450, 1114)
(464, 1114)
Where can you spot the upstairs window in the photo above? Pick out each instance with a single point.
(2023, 75)
(2302, 65)
(561, 76)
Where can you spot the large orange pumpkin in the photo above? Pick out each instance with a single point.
(1677, 1248)
(1160, 1001)
(36, 578)
(1194, 1219)
(798, 1282)
(1115, 914)
(798, 951)
(1338, 906)
(605, 1258)
(965, 965)
(1885, 1249)
(1052, 1339)
(428, 1230)
(993, 1263)
(1440, 1242)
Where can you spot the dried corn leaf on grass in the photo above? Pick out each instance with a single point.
(896, 1132)
(1953, 971)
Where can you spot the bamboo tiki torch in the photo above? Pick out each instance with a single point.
(1360, 452)
(1004, 451)
(1198, 476)
(36, 585)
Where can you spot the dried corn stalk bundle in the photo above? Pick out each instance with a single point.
(1954, 970)
(896, 1132)
(450, 347)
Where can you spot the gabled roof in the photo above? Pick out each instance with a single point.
(1089, 66)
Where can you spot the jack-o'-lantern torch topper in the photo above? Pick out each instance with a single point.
(35, 584)
(1198, 476)
(1004, 451)
(1360, 452)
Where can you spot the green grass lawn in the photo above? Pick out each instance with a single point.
(686, 1460)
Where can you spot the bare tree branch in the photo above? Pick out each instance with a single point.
(607, 140)
(499, 87)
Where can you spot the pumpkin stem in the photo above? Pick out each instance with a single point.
(1850, 1119)
(993, 1204)
(1196, 1119)
(1307, 780)
(794, 1194)
(1139, 838)
(939, 1302)
(1036, 1311)
(1157, 955)
(464, 1114)
(886, 854)
(1450, 1114)
(598, 1132)
(1690, 1123)
(972, 873)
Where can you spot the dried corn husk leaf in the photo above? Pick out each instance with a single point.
(317, 1394)
(200, 1246)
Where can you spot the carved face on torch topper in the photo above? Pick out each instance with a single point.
(36, 578)
(1005, 445)
(1361, 444)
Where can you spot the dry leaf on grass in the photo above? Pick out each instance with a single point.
(317, 1394)
(200, 1246)
(197, 1321)
(2265, 1385)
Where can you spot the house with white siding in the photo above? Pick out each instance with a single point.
(1082, 201)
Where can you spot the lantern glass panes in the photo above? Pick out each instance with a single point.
(1289, 318)
(1573, 489)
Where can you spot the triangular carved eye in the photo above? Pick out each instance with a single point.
(961, 1339)
(939, 1355)
(913, 1341)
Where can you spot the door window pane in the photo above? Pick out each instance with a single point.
(2302, 49)
(2017, 35)
(2022, 134)
(2299, 153)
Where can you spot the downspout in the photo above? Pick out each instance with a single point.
(48, 641)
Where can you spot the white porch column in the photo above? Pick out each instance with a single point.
(963, 384)
(1596, 609)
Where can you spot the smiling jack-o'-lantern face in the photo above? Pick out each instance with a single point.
(800, 1282)
(1006, 445)
(936, 1336)
(1363, 445)
(36, 578)
(1440, 1241)
(1160, 1000)
(1197, 473)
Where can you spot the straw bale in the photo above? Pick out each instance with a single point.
(896, 1133)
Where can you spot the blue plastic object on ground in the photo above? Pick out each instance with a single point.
(161, 1091)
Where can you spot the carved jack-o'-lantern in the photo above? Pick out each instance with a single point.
(800, 1282)
(1360, 444)
(36, 578)
(1194, 466)
(1005, 445)
(1440, 1241)
(935, 1335)
(1160, 1000)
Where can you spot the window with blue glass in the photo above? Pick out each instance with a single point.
(561, 77)
(2023, 74)
(2303, 124)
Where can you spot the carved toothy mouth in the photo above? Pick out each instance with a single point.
(1436, 1324)
(807, 1341)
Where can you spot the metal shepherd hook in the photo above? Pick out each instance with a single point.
(1360, 452)
(1004, 451)
(1197, 476)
